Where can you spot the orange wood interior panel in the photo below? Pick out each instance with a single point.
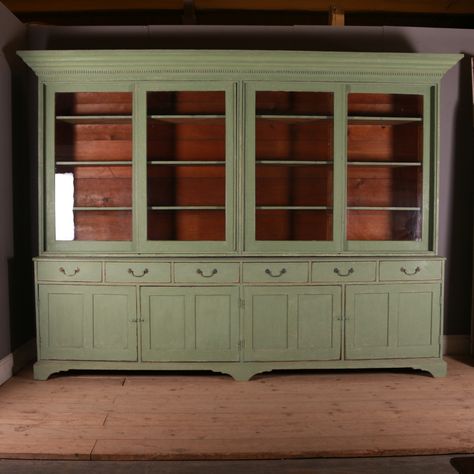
(293, 225)
(186, 225)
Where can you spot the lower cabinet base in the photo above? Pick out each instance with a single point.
(241, 371)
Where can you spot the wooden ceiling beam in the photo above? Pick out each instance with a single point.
(393, 6)
(30, 6)
(449, 7)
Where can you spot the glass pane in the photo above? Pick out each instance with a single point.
(385, 167)
(93, 166)
(294, 165)
(294, 139)
(186, 139)
(186, 102)
(294, 103)
(94, 103)
(387, 186)
(186, 225)
(294, 185)
(102, 225)
(293, 225)
(186, 173)
(381, 141)
(398, 105)
(383, 225)
(184, 185)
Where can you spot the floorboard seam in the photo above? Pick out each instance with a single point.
(91, 454)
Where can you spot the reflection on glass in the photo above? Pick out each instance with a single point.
(384, 225)
(64, 205)
(93, 166)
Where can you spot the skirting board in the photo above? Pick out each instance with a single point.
(14, 362)
(458, 344)
(24, 355)
(6, 368)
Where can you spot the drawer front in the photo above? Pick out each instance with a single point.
(402, 270)
(206, 272)
(275, 272)
(71, 270)
(138, 272)
(343, 271)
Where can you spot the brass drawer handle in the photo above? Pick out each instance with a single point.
(338, 272)
(74, 272)
(200, 272)
(269, 272)
(406, 272)
(136, 275)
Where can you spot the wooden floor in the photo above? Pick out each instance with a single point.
(203, 416)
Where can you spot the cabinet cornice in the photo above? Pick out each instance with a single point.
(143, 64)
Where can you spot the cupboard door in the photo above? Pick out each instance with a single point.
(88, 167)
(190, 324)
(388, 168)
(187, 168)
(386, 321)
(291, 171)
(292, 323)
(87, 322)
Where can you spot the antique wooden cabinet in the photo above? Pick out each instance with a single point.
(238, 211)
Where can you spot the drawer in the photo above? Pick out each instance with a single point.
(138, 272)
(206, 272)
(70, 270)
(402, 270)
(343, 271)
(275, 272)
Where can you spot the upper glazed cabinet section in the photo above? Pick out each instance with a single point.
(389, 176)
(238, 152)
(140, 167)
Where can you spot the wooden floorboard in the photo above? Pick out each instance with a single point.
(201, 416)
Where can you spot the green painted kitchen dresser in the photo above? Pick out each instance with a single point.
(238, 211)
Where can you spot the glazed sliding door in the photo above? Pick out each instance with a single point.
(88, 167)
(186, 167)
(389, 178)
(292, 165)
